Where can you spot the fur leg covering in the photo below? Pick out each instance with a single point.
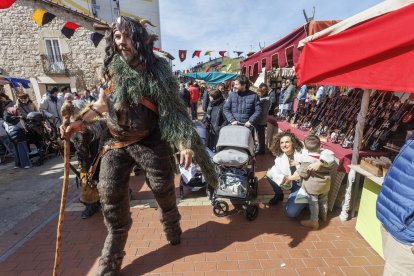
(114, 191)
(158, 163)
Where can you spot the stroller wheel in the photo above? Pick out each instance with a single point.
(251, 212)
(220, 208)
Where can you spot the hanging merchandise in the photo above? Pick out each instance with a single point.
(182, 54)
(196, 53)
(42, 17)
(222, 53)
(96, 38)
(69, 29)
(5, 4)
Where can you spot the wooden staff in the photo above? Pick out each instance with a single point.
(67, 111)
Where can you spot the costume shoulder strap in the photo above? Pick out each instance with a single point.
(149, 104)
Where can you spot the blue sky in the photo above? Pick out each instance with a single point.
(239, 25)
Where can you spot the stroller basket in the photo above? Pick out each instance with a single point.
(233, 183)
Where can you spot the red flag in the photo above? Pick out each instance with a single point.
(222, 53)
(196, 53)
(182, 54)
(69, 29)
(5, 4)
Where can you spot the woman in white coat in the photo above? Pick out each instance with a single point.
(287, 149)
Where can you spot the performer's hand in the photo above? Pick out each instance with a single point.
(234, 123)
(186, 156)
(71, 129)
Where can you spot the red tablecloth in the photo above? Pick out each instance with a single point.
(344, 155)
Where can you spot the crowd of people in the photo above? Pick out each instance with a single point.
(13, 115)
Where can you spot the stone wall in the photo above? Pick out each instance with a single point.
(22, 43)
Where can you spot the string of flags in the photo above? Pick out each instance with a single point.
(182, 54)
(42, 17)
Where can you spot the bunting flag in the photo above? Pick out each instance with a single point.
(96, 38)
(69, 29)
(156, 49)
(208, 53)
(238, 53)
(182, 54)
(5, 4)
(42, 17)
(222, 53)
(196, 53)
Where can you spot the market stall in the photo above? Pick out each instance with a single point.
(211, 78)
(382, 60)
(282, 54)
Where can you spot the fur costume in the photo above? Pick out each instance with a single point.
(152, 79)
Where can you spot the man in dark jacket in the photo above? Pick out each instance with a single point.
(242, 107)
(262, 121)
(396, 213)
(214, 118)
(184, 95)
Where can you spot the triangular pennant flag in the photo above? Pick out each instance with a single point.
(69, 29)
(5, 4)
(42, 17)
(182, 54)
(208, 53)
(222, 53)
(156, 49)
(96, 38)
(238, 53)
(196, 53)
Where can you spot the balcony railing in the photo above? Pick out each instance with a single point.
(52, 67)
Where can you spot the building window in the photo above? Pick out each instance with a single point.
(54, 55)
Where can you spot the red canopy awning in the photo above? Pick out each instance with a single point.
(375, 54)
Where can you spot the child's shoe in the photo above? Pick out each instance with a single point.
(314, 224)
(323, 213)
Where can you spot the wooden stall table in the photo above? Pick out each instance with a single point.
(367, 223)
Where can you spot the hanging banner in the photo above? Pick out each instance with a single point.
(222, 53)
(196, 53)
(69, 29)
(182, 54)
(96, 38)
(5, 4)
(42, 17)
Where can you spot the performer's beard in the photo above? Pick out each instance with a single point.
(132, 90)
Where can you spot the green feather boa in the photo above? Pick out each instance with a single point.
(162, 88)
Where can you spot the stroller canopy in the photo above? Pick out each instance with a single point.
(236, 136)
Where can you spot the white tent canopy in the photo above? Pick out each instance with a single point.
(377, 10)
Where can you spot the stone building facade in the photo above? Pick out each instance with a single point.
(43, 54)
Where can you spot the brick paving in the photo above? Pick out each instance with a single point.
(271, 245)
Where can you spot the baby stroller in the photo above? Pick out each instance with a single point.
(44, 138)
(192, 177)
(235, 162)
